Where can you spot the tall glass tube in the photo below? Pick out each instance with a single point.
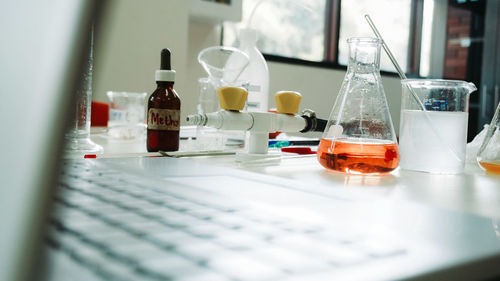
(78, 142)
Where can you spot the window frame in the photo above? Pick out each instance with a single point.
(332, 31)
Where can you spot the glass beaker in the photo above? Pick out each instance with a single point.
(126, 115)
(359, 137)
(488, 156)
(434, 140)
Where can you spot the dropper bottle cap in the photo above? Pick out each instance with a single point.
(165, 73)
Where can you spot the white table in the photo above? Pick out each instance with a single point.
(473, 191)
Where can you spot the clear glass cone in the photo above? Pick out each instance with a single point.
(359, 137)
(488, 156)
(223, 64)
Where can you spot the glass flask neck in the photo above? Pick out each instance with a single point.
(364, 55)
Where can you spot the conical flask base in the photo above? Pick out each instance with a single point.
(355, 157)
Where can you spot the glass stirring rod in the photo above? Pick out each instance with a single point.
(393, 60)
(403, 76)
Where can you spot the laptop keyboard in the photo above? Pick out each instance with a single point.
(122, 229)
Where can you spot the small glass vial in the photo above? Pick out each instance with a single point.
(164, 110)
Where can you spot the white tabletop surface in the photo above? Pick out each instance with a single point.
(473, 191)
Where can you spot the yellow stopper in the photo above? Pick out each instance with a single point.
(287, 102)
(232, 98)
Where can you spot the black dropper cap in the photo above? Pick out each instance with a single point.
(165, 59)
(165, 73)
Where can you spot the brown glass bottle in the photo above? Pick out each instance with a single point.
(164, 108)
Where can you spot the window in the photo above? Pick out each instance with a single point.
(298, 27)
(317, 30)
(394, 27)
(430, 38)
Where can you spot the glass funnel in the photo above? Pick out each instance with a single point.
(359, 137)
(488, 156)
(223, 64)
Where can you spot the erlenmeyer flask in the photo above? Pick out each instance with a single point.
(488, 156)
(359, 137)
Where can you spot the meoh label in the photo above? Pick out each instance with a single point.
(164, 119)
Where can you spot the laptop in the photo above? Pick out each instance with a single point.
(166, 218)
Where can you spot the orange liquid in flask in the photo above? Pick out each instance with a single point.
(491, 167)
(358, 158)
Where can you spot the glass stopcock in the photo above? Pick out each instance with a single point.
(359, 137)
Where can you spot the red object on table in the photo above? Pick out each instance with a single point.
(100, 114)
(274, 135)
(298, 150)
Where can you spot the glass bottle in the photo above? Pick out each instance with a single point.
(488, 156)
(164, 109)
(359, 137)
(256, 73)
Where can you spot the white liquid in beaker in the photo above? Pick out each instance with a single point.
(423, 150)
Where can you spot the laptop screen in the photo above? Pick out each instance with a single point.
(40, 58)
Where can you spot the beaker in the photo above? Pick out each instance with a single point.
(434, 140)
(359, 137)
(126, 115)
(207, 138)
(488, 156)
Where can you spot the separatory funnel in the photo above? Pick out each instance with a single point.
(224, 66)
